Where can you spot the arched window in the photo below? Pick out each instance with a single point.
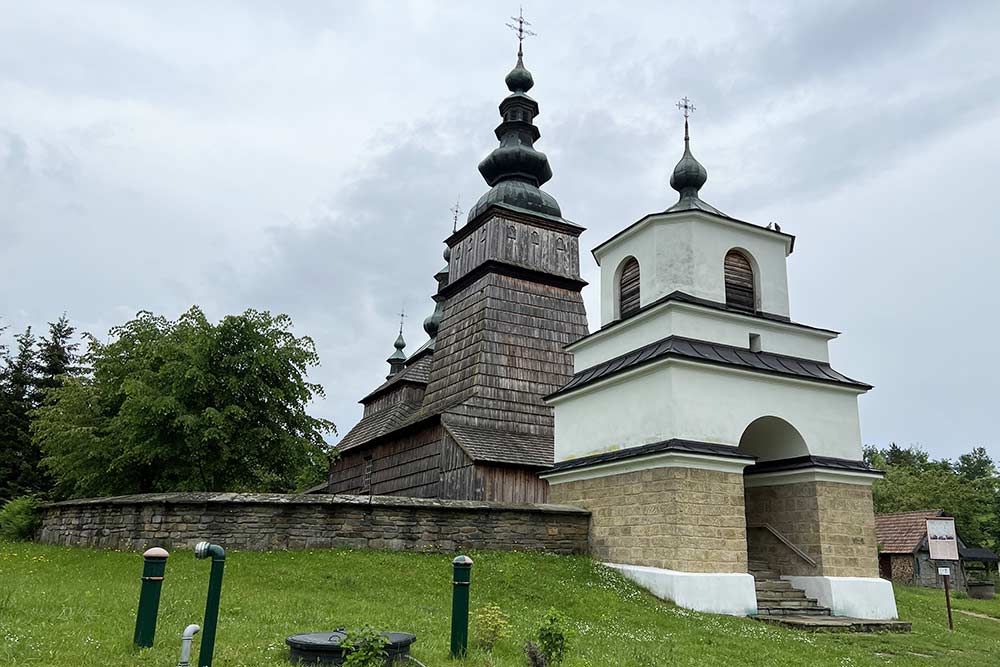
(739, 282)
(628, 288)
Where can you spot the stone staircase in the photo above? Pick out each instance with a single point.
(777, 597)
(779, 603)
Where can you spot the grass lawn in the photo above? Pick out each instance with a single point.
(61, 606)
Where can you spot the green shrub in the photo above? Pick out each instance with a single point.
(553, 637)
(492, 625)
(364, 648)
(19, 519)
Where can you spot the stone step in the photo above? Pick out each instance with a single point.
(765, 575)
(773, 585)
(836, 624)
(811, 610)
(793, 594)
(758, 565)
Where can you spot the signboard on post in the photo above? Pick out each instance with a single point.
(942, 541)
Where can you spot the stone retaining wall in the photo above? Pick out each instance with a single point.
(276, 521)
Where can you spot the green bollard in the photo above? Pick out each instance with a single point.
(460, 606)
(218, 555)
(153, 567)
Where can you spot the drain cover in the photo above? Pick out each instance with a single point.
(324, 648)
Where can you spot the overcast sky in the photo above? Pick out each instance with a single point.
(302, 157)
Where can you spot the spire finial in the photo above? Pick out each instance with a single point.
(398, 358)
(689, 175)
(688, 107)
(456, 211)
(519, 28)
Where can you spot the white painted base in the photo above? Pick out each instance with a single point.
(713, 592)
(857, 597)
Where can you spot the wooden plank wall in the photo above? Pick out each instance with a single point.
(407, 466)
(511, 485)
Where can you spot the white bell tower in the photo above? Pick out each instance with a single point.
(699, 383)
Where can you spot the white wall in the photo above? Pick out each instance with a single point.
(682, 319)
(676, 399)
(685, 251)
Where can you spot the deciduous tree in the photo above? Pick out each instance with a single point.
(187, 405)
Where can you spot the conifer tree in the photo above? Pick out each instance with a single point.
(20, 472)
(57, 356)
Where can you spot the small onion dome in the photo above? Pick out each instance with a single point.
(688, 178)
(447, 254)
(398, 355)
(433, 322)
(519, 79)
(689, 175)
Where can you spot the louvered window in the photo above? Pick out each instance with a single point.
(628, 288)
(739, 282)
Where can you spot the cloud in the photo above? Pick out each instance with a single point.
(302, 158)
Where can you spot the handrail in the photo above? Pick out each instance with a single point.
(784, 540)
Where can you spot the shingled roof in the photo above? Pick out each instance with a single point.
(492, 446)
(416, 371)
(903, 532)
(378, 424)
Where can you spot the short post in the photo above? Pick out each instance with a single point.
(460, 605)
(153, 566)
(945, 573)
(218, 555)
(186, 638)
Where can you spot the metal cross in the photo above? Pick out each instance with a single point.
(687, 106)
(402, 314)
(455, 212)
(520, 29)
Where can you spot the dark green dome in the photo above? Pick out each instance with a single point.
(519, 194)
(689, 175)
(519, 79)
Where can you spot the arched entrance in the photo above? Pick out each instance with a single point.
(782, 533)
(772, 438)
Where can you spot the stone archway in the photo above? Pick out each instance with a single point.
(772, 438)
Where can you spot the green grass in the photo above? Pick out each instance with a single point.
(61, 606)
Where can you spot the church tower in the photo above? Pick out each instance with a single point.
(464, 416)
(512, 300)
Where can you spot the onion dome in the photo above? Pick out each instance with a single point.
(398, 358)
(515, 170)
(688, 178)
(433, 322)
(519, 79)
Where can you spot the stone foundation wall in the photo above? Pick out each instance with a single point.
(833, 523)
(683, 519)
(275, 521)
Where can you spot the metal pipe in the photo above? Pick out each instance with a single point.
(218, 555)
(153, 567)
(460, 606)
(186, 639)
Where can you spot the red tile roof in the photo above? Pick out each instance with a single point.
(902, 532)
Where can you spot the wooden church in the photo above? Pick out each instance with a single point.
(463, 417)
